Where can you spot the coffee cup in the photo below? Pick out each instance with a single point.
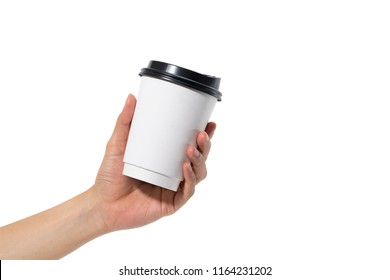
(173, 105)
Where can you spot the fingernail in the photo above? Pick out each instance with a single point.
(196, 152)
(207, 138)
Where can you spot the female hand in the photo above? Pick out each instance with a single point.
(128, 203)
(114, 202)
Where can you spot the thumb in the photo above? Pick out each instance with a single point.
(118, 140)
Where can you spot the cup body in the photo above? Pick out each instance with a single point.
(166, 120)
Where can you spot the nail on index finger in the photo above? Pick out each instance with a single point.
(210, 129)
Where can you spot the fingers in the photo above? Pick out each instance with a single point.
(187, 187)
(121, 131)
(122, 126)
(199, 156)
(198, 163)
(190, 181)
(203, 139)
(195, 170)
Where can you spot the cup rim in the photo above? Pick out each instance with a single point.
(184, 77)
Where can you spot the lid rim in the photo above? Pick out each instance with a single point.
(184, 77)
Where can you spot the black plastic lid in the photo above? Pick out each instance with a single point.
(184, 77)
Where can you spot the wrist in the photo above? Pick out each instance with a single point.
(96, 212)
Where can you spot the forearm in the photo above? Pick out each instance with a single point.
(53, 233)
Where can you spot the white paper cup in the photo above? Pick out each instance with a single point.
(173, 104)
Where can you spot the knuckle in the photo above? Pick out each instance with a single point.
(110, 144)
(204, 174)
(170, 211)
(206, 151)
(201, 176)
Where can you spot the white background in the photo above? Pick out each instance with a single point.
(299, 168)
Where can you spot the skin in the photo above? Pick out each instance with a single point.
(114, 202)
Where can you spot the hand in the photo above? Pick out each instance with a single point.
(128, 203)
(114, 202)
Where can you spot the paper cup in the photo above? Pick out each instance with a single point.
(173, 104)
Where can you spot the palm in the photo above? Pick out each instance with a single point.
(132, 203)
